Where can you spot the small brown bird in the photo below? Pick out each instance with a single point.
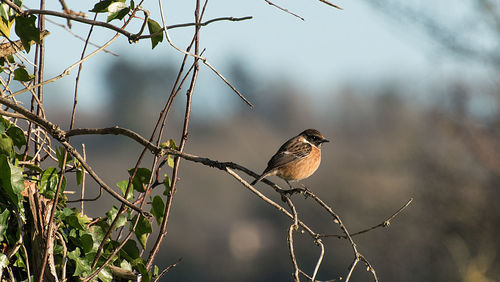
(297, 159)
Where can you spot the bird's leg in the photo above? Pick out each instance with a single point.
(293, 190)
(304, 189)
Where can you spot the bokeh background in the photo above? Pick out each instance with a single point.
(408, 92)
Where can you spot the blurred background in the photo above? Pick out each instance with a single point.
(408, 92)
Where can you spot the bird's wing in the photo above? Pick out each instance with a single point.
(290, 151)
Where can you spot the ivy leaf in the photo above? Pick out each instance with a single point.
(158, 209)
(27, 31)
(130, 249)
(4, 223)
(79, 176)
(7, 15)
(122, 220)
(12, 181)
(4, 262)
(105, 275)
(123, 187)
(4, 10)
(82, 266)
(142, 230)
(60, 156)
(117, 10)
(6, 145)
(5, 26)
(139, 266)
(87, 243)
(49, 182)
(4, 125)
(75, 219)
(167, 184)
(101, 7)
(17, 136)
(153, 28)
(170, 161)
(20, 74)
(141, 178)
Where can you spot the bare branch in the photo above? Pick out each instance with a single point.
(59, 135)
(283, 9)
(385, 223)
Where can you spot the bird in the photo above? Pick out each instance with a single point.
(297, 159)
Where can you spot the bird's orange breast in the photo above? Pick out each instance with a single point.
(302, 168)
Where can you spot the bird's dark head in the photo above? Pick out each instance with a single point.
(314, 137)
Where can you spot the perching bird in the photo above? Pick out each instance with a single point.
(297, 159)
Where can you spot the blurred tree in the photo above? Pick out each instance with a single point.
(135, 89)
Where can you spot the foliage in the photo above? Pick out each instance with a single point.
(24, 181)
(80, 234)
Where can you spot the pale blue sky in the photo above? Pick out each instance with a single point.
(327, 50)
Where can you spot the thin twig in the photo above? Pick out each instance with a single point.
(187, 116)
(320, 259)
(81, 38)
(167, 269)
(284, 10)
(59, 135)
(293, 227)
(384, 223)
(203, 59)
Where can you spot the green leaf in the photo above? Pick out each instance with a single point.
(6, 26)
(101, 7)
(158, 209)
(12, 181)
(153, 28)
(170, 161)
(4, 8)
(87, 243)
(27, 31)
(7, 16)
(122, 220)
(6, 145)
(117, 10)
(167, 184)
(132, 5)
(105, 275)
(60, 151)
(139, 266)
(20, 74)
(82, 266)
(130, 249)
(17, 136)
(142, 230)
(79, 176)
(4, 262)
(124, 264)
(4, 223)
(4, 125)
(75, 219)
(49, 182)
(18, 3)
(123, 187)
(141, 179)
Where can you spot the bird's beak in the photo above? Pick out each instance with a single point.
(325, 140)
